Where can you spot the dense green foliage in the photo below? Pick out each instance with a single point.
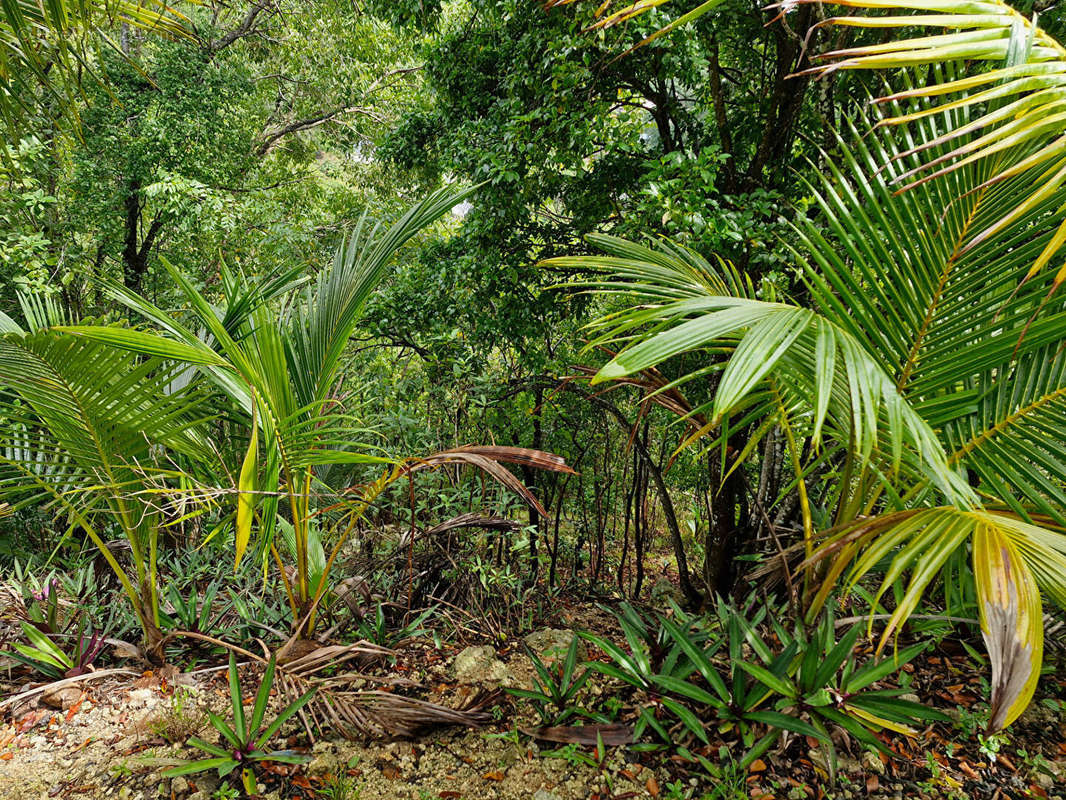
(703, 322)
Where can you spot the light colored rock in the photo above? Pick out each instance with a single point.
(179, 786)
(551, 644)
(544, 794)
(143, 696)
(873, 763)
(480, 665)
(63, 697)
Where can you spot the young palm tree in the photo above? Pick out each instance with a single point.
(96, 434)
(929, 384)
(281, 367)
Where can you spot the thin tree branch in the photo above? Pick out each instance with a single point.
(245, 28)
(270, 139)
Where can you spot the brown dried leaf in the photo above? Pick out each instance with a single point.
(612, 735)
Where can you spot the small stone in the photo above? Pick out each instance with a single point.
(63, 697)
(179, 785)
(480, 665)
(551, 644)
(873, 763)
(544, 794)
(850, 766)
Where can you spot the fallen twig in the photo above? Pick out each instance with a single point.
(88, 676)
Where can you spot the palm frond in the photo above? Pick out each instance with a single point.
(774, 356)
(977, 359)
(1013, 562)
(44, 48)
(1014, 91)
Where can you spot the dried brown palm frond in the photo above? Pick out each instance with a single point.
(356, 713)
(305, 657)
(469, 520)
(375, 714)
(490, 459)
(656, 388)
(611, 734)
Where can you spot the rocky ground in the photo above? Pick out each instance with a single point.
(111, 738)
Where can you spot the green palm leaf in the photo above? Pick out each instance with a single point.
(91, 430)
(44, 48)
(1014, 90)
(922, 366)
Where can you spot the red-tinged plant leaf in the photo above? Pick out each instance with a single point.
(448, 794)
(652, 786)
(758, 765)
(872, 784)
(495, 775)
(390, 772)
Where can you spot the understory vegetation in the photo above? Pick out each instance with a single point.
(653, 400)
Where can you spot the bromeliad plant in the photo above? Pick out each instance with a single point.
(45, 655)
(243, 739)
(556, 687)
(724, 677)
(824, 684)
(375, 627)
